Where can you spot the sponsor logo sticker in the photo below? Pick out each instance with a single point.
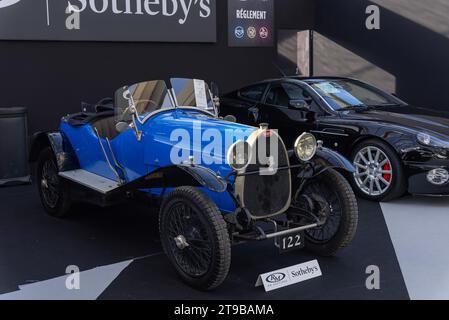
(252, 32)
(239, 32)
(263, 32)
(290, 275)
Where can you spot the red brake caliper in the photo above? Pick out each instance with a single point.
(387, 167)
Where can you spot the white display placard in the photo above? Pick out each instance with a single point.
(287, 276)
(200, 93)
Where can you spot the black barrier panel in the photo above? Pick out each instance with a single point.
(14, 167)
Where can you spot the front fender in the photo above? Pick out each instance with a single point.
(325, 158)
(178, 176)
(333, 159)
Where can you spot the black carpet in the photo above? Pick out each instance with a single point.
(35, 247)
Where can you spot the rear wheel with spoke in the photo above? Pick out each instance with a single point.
(379, 173)
(195, 238)
(54, 196)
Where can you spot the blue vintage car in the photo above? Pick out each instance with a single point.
(219, 182)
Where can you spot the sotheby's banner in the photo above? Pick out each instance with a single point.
(109, 20)
(250, 23)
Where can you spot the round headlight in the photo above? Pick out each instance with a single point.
(305, 146)
(239, 155)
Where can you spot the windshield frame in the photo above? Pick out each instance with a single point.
(387, 96)
(209, 97)
(174, 104)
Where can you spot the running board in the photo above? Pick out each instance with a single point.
(90, 180)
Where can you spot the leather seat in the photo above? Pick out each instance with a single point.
(106, 127)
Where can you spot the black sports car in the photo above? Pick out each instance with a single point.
(395, 147)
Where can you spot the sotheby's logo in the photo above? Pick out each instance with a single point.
(182, 9)
(85, 20)
(7, 3)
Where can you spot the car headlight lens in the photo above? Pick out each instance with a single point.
(305, 146)
(428, 140)
(239, 155)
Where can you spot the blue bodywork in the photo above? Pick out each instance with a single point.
(160, 133)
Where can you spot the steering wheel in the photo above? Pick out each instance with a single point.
(148, 102)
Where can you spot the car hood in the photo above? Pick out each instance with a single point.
(180, 133)
(420, 119)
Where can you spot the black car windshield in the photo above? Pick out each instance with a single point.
(343, 94)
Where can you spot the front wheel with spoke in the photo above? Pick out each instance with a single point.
(195, 238)
(379, 173)
(330, 198)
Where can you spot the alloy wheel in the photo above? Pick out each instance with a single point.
(374, 171)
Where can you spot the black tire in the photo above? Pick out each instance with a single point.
(398, 185)
(332, 191)
(54, 196)
(201, 222)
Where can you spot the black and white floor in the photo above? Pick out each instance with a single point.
(119, 255)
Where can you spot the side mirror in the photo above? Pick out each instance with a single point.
(127, 112)
(214, 89)
(302, 105)
(215, 94)
(230, 118)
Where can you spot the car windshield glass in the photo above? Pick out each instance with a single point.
(147, 97)
(193, 93)
(344, 94)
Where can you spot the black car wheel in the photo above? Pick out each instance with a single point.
(195, 238)
(54, 197)
(330, 198)
(379, 174)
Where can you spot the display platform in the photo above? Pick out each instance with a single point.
(119, 255)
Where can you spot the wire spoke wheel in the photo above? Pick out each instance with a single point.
(330, 199)
(374, 171)
(189, 240)
(320, 199)
(54, 195)
(50, 183)
(195, 237)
